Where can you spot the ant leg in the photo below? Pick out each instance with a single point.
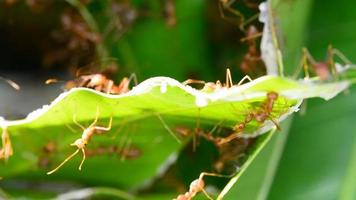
(228, 78)
(134, 78)
(122, 143)
(343, 58)
(167, 128)
(202, 183)
(125, 149)
(247, 77)
(250, 20)
(216, 126)
(124, 85)
(331, 62)
(228, 138)
(209, 136)
(341, 55)
(276, 124)
(96, 117)
(190, 81)
(250, 37)
(70, 128)
(109, 87)
(306, 56)
(100, 128)
(77, 123)
(227, 6)
(83, 159)
(59, 166)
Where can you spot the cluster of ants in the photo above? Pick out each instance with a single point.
(102, 83)
(260, 115)
(250, 63)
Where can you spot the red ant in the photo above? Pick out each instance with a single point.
(228, 5)
(6, 150)
(84, 140)
(197, 186)
(210, 86)
(322, 69)
(98, 82)
(252, 61)
(259, 115)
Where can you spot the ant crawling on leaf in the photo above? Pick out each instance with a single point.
(322, 69)
(252, 61)
(99, 82)
(260, 116)
(84, 140)
(197, 186)
(210, 86)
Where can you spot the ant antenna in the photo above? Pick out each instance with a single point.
(168, 129)
(60, 165)
(247, 77)
(83, 159)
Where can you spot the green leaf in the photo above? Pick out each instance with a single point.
(143, 119)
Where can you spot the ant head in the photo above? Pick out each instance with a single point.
(239, 127)
(79, 143)
(196, 186)
(272, 95)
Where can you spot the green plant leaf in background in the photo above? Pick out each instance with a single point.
(301, 174)
(319, 154)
